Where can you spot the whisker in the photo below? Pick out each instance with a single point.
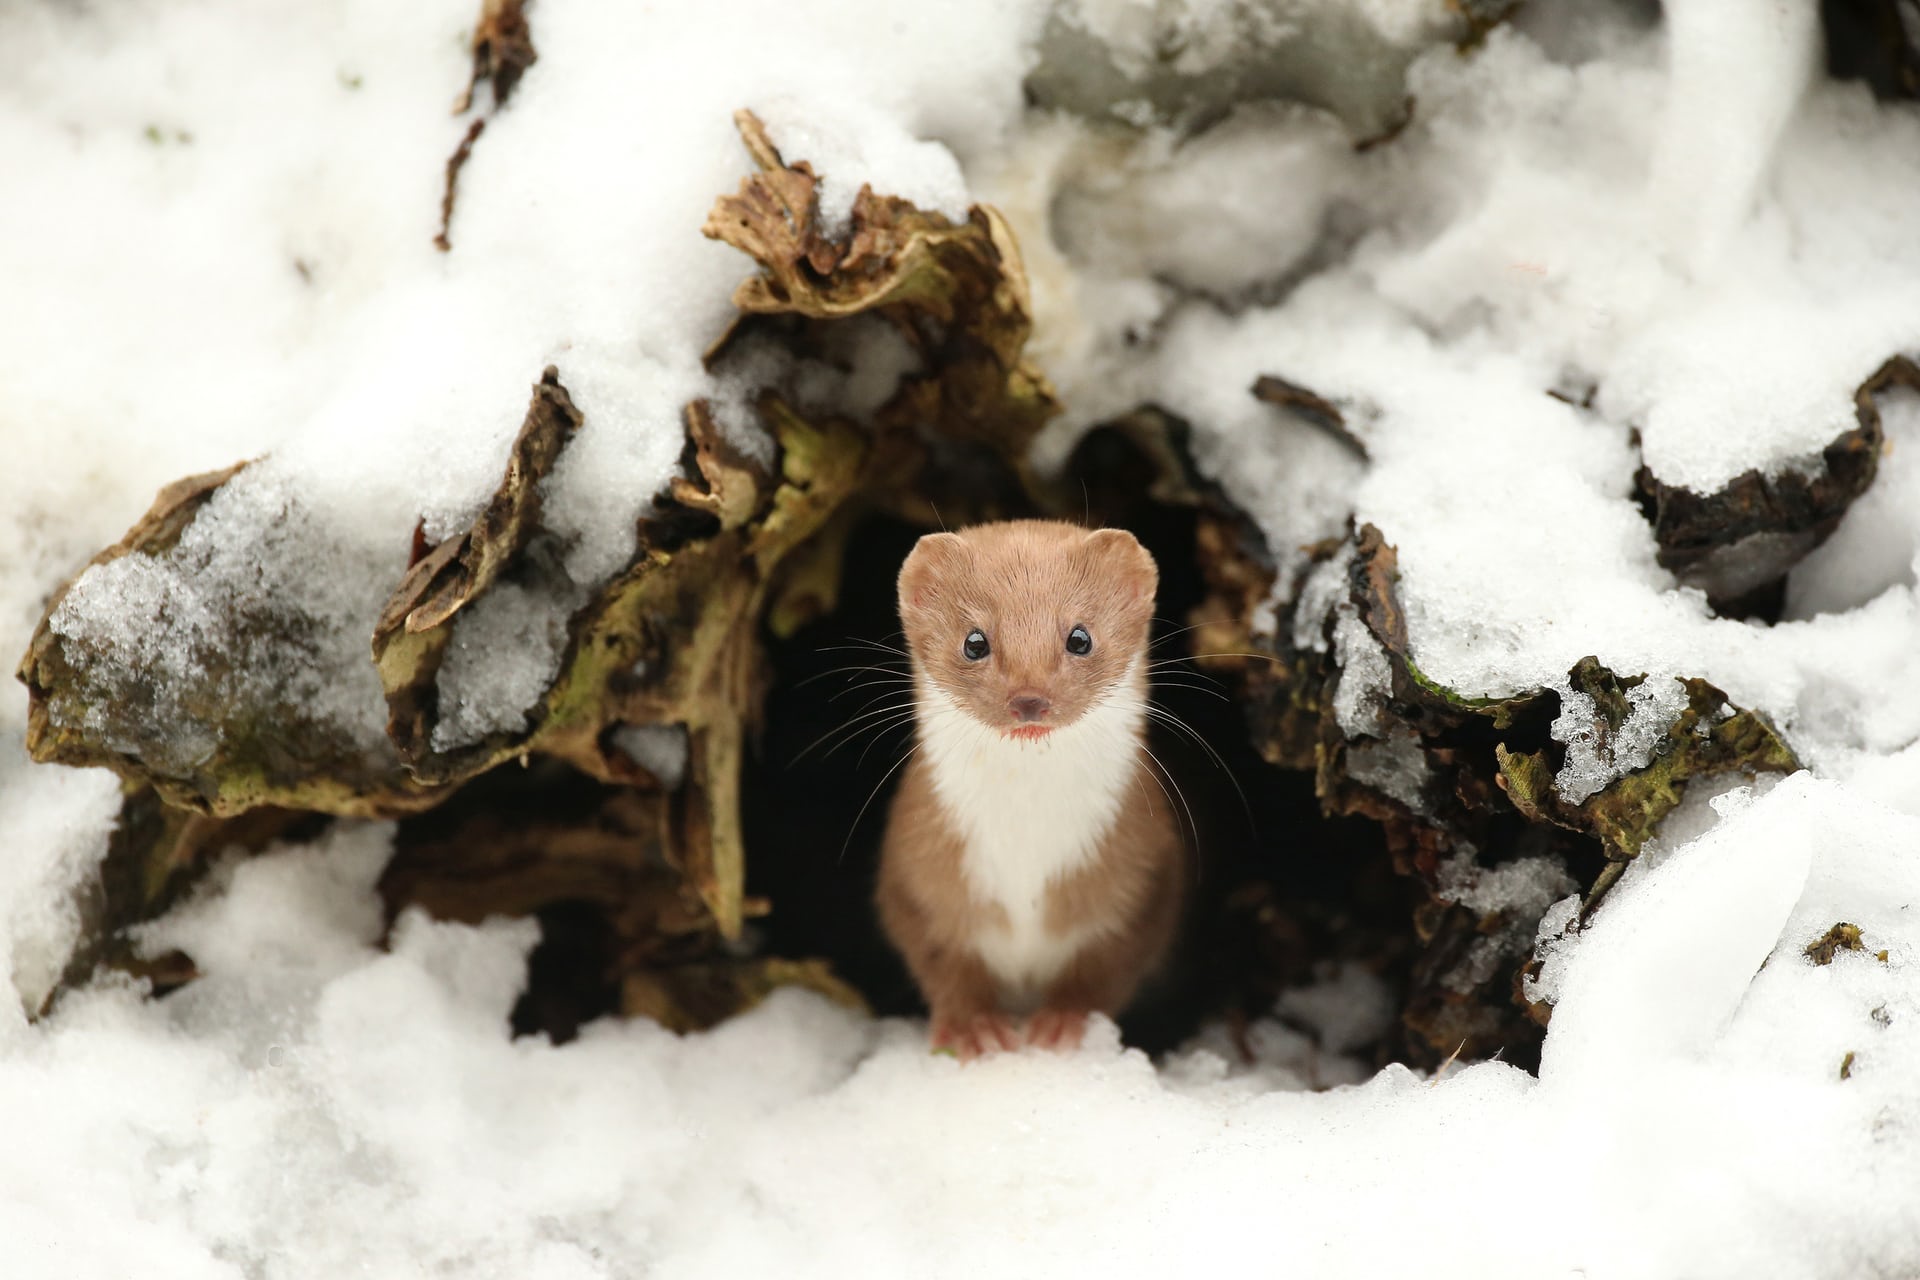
(1160, 663)
(876, 683)
(878, 730)
(882, 696)
(853, 726)
(1144, 793)
(1160, 715)
(878, 734)
(1176, 632)
(850, 669)
(1178, 794)
(858, 643)
(1194, 688)
(1262, 657)
(870, 798)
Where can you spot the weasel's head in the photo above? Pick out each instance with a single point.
(1026, 624)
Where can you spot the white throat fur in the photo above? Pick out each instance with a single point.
(1030, 812)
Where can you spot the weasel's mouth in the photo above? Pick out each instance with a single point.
(1030, 732)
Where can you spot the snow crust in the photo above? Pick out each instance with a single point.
(1679, 228)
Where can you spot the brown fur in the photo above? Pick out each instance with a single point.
(1025, 584)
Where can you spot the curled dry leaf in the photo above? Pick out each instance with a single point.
(1738, 542)
(1842, 937)
(956, 292)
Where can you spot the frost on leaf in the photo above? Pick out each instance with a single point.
(1652, 763)
(171, 661)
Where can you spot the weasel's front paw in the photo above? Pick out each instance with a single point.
(971, 1036)
(1057, 1028)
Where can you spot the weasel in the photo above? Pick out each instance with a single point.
(1031, 865)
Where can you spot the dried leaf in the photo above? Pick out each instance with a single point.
(266, 750)
(153, 855)
(1842, 937)
(1708, 739)
(1309, 407)
(1738, 541)
(956, 292)
(502, 51)
(411, 637)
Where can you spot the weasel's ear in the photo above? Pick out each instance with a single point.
(928, 565)
(1122, 561)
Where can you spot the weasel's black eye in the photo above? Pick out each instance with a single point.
(1079, 642)
(975, 646)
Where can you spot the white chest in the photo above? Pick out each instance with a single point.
(1030, 813)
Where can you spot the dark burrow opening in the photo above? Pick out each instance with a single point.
(1281, 891)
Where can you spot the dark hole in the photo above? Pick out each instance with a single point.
(809, 782)
(568, 973)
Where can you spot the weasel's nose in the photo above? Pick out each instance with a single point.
(1029, 706)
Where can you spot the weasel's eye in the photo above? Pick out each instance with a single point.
(975, 646)
(1079, 642)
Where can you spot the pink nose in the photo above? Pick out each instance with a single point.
(1029, 706)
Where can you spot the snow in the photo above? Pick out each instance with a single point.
(316, 1104)
(660, 749)
(506, 650)
(227, 255)
(1521, 888)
